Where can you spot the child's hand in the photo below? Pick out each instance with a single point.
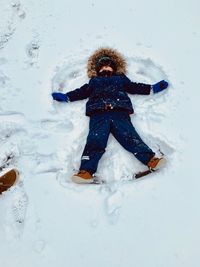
(160, 86)
(60, 97)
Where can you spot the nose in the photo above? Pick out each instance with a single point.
(106, 68)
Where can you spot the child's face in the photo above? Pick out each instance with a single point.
(108, 68)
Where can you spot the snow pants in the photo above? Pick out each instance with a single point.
(119, 124)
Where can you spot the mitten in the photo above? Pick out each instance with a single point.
(160, 86)
(60, 97)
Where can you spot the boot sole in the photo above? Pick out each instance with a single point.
(78, 180)
(16, 176)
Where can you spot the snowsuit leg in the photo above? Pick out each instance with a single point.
(99, 130)
(125, 133)
(119, 124)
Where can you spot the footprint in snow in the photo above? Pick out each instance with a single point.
(17, 202)
(18, 10)
(9, 24)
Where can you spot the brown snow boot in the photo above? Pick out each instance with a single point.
(8, 179)
(156, 163)
(82, 177)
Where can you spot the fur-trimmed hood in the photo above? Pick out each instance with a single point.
(118, 58)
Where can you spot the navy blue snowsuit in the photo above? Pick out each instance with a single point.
(109, 107)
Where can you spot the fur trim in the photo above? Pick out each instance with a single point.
(113, 54)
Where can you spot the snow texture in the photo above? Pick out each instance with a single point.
(46, 220)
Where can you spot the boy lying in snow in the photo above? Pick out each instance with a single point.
(109, 108)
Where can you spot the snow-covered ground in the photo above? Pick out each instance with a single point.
(48, 221)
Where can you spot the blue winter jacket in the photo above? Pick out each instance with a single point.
(107, 93)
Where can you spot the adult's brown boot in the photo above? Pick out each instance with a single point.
(8, 179)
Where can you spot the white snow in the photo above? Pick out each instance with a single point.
(48, 221)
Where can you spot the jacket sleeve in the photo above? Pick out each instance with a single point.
(80, 93)
(136, 88)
